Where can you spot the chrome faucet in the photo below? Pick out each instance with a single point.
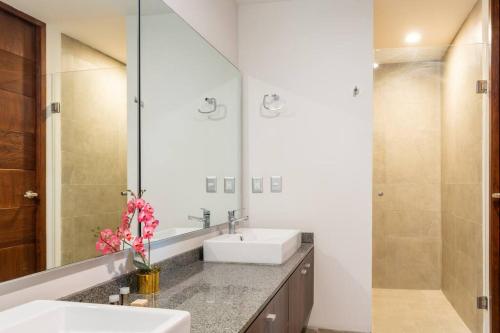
(232, 220)
(205, 219)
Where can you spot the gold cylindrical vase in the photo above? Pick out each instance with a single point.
(148, 283)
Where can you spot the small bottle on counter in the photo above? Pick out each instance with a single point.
(114, 299)
(124, 295)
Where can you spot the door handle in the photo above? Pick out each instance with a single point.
(495, 195)
(30, 195)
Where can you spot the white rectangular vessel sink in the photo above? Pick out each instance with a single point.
(257, 246)
(66, 317)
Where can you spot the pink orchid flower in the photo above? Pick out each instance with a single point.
(115, 241)
(155, 223)
(106, 233)
(151, 225)
(144, 217)
(102, 247)
(148, 232)
(124, 233)
(110, 241)
(125, 219)
(131, 205)
(139, 203)
(138, 245)
(148, 209)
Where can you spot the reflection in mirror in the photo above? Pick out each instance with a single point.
(190, 126)
(68, 121)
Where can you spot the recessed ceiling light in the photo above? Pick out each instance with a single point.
(413, 38)
(375, 65)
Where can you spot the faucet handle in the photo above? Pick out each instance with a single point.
(232, 213)
(205, 211)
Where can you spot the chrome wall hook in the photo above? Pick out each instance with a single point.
(269, 100)
(212, 101)
(356, 91)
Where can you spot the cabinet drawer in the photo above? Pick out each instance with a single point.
(274, 318)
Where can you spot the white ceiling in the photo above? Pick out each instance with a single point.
(437, 20)
(102, 23)
(97, 23)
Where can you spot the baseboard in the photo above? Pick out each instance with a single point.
(323, 330)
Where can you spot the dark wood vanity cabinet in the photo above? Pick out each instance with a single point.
(301, 294)
(289, 310)
(274, 318)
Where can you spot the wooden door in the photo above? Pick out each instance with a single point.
(22, 144)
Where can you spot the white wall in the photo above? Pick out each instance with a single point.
(216, 20)
(313, 53)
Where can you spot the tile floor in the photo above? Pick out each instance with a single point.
(414, 311)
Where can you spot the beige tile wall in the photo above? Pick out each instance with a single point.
(462, 177)
(407, 169)
(93, 145)
(428, 162)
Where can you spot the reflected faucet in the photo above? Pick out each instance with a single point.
(232, 220)
(205, 219)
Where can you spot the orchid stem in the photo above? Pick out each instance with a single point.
(149, 253)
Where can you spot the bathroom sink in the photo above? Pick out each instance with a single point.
(62, 317)
(257, 246)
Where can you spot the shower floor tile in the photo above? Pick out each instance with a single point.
(414, 311)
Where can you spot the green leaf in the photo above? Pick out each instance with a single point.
(141, 265)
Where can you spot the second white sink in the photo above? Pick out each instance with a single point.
(257, 246)
(68, 317)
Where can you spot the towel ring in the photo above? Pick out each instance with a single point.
(210, 101)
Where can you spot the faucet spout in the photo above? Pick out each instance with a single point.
(205, 219)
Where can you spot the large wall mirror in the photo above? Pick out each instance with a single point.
(92, 106)
(190, 125)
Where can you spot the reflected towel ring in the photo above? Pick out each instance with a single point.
(210, 101)
(274, 98)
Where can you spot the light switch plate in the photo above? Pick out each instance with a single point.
(229, 184)
(211, 184)
(257, 184)
(276, 184)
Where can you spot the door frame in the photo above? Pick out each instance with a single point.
(40, 136)
(494, 225)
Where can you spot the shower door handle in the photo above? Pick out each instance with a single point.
(495, 195)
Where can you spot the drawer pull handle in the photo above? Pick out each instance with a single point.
(271, 317)
(308, 265)
(303, 272)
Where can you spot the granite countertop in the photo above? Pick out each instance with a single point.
(224, 297)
